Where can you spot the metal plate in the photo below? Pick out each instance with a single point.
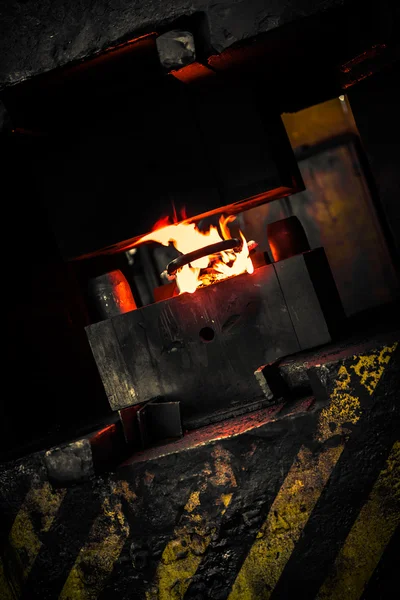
(201, 349)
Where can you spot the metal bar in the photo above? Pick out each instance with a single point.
(185, 259)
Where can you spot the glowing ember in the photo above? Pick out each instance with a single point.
(209, 269)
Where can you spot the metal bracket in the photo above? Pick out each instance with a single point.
(154, 421)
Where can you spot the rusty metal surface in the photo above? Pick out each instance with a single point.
(305, 497)
(338, 212)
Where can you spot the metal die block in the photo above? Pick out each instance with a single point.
(200, 349)
(312, 298)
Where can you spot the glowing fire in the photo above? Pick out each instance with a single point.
(209, 269)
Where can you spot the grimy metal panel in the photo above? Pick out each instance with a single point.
(165, 350)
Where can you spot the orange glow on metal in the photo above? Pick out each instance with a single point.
(122, 292)
(279, 192)
(123, 47)
(186, 237)
(360, 58)
(107, 430)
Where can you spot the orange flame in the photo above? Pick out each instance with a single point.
(209, 269)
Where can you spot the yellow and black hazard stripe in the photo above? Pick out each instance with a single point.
(311, 513)
(306, 506)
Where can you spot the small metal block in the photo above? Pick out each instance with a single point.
(111, 295)
(176, 49)
(287, 238)
(159, 420)
(71, 463)
(311, 296)
(284, 379)
(260, 376)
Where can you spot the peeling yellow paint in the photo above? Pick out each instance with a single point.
(180, 561)
(183, 554)
(45, 501)
(24, 539)
(304, 483)
(97, 557)
(343, 407)
(370, 534)
(370, 367)
(225, 499)
(87, 577)
(224, 474)
(122, 489)
(193, 502)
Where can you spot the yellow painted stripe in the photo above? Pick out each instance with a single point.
(344, 406)
(192, 536)
(183, 554)
(370, 367)
(97, 557)
(369, 536)
(24, 539)
(286, 520)
(304, 483)
(6, 592)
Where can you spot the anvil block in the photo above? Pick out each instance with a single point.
(202, 349)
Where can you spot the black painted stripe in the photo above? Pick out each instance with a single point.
(351, 482)
(275, 448)
(163, 487)
(62, 543)
(383, 583)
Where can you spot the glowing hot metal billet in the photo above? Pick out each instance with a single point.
(186, 259)
(208, 256)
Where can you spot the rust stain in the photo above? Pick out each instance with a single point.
(224, 474)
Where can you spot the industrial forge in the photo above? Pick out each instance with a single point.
(205, 301)
(201, 347)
